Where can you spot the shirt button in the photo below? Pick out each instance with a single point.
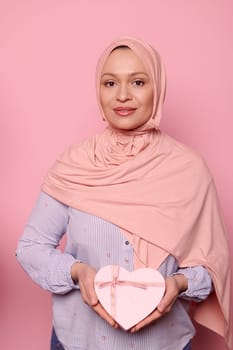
(126, 261)
(127, 242)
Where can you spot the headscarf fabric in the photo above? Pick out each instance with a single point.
(156, 190)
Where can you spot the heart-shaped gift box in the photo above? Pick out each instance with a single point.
(129, 296)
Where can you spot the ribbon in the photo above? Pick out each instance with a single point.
(117, 282)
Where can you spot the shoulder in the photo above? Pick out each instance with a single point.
(187, 158)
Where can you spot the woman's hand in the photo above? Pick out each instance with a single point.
(174, 286)
(84, 275)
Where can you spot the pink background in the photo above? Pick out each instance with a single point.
(48, 52)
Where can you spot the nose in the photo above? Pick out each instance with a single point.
(123, 93)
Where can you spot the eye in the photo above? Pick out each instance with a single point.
(138, 82)
(109, 83)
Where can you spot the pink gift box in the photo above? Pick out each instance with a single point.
(129, 296)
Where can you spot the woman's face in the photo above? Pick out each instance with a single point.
(126, 94)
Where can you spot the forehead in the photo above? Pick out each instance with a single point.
(123, 61)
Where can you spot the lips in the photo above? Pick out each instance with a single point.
(124, 111)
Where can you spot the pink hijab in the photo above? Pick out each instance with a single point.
(157, 191)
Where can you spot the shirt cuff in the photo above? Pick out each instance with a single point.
(69, 278)
(199, 283)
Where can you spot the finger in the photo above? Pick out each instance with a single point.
(169, 297)
(149, 319)
(88, 298)
(83, 293)
(167, 301)
(88, 294)
(98, 308)
(93, 300)
(165, 305)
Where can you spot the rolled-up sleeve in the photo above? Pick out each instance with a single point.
(199, 283)
(36, 251)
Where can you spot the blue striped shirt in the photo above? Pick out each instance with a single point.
(97, 243)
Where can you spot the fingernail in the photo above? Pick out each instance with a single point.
(160, 308)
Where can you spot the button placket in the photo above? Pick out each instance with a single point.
(125, 256)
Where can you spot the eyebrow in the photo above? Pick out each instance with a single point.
(131, 74)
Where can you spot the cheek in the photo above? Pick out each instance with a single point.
(105, 99)
(148, 101)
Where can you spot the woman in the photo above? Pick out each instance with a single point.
(130, 196)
